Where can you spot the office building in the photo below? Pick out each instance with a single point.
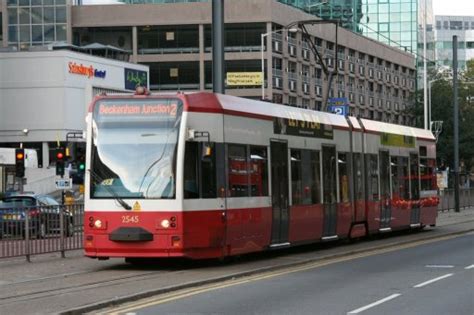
(446, 28)
(174, 40)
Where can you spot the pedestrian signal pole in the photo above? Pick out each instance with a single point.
(20, 167)
(60, 156)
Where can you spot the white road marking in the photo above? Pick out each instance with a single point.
(363, 308)
(433, 280)
(469, 267)
(439, 266)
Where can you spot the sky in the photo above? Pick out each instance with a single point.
(453, 7)
(440, 7)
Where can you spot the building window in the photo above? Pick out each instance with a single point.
(351, 67)
(277, 98)
(319, 91)
(306, 103)
(36, 24)
(292, 101)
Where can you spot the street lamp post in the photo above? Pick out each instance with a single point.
(263, 59)
(429, 103)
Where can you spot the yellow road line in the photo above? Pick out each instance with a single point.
(168, 297)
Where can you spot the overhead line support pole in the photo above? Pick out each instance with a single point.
(218, 61)
(456, 123)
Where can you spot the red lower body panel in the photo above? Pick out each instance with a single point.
(373, 216)
(248, 230)
(196, 234)
(306, 223)
(428, 215)
(218, 233)
(344, 219)
(400, 217)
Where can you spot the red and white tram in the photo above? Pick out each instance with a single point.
(205, 175)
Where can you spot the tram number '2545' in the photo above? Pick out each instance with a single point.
(130, 219)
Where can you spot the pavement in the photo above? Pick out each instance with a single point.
(76, 284)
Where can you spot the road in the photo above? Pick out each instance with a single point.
(433, 278)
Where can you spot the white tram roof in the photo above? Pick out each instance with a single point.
(239, 104)
(379, 127)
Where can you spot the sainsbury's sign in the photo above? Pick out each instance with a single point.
(88, 71)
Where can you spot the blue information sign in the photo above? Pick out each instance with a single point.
(338, 105)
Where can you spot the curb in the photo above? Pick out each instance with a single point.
(147, 294)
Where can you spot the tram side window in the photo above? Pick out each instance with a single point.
(358, 181)
(414, 177)
(296, 174)
(373, 177)
(343, 177)
(305, 177)
(208, 172)
(427, 173)
(396, 187)
(238, 170)
(315, 177)
(404, 179)
(258, 171)
(199, 172)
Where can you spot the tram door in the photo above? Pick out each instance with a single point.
(414, 188)
(385, 204)
(329, 192)
(280, 203)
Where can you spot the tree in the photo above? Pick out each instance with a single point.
(442, 109)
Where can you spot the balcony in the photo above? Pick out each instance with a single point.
(164, 51)
(237, 49)
(174, 87)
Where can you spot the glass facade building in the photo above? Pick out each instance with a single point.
(35, 22)
(393, 22)
(446, 28)
(349, 12)
(159, 1)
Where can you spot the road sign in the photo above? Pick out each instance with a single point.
(339, 109)
(64, 183)
(338, 105)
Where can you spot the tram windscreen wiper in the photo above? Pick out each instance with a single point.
(125, 205)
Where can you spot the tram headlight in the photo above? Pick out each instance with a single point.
(98, 224)
(165, 224)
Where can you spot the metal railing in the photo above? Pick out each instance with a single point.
(446, 199)
(27, 231)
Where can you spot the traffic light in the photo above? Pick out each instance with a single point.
(60, 156)
(20, 163)
(82, 166)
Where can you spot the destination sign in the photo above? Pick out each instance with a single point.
(138, 109)
(128, 110)
(302, 128)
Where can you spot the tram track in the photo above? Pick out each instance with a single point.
(121, 283)
(25, 297)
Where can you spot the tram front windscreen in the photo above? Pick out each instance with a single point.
(134, 145)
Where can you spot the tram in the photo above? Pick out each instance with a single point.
(204, 175)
